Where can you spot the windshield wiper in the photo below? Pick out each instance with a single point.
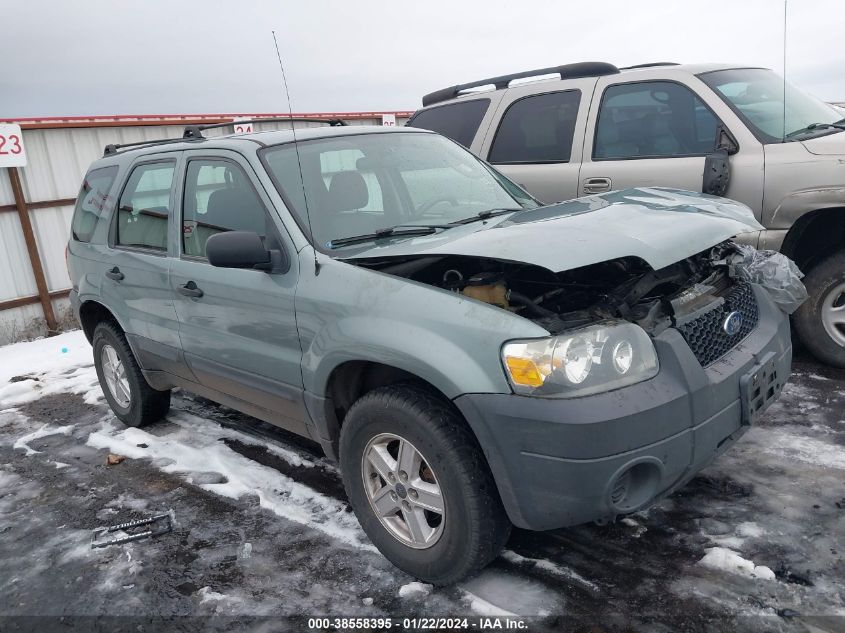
(381, 234)
(483, 215)
(839, 125)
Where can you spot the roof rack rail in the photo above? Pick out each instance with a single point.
(649, 65)
(567, 71)
(112, 148)
(194, 132)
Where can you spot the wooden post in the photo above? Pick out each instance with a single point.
(32, 249)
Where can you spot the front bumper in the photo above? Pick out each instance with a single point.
(560, 462)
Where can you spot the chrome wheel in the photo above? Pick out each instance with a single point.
(833, 314)
(115, 375)
(403, 491)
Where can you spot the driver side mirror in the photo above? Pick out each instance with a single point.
(238, 249)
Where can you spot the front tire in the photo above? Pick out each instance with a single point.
(419, 484)
(820, 321)
(126, 390)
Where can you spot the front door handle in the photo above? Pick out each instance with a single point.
(115, 274)
(597, 185)
(190, 290)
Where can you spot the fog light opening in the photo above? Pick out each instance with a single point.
(634, 486)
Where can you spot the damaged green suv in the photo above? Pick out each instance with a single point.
(473, 360)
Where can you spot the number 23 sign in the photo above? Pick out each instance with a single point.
(12, 152)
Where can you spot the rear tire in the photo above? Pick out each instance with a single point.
(820, 321)
(126, 390)
(474, 525)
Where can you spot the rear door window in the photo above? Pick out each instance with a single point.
(653, 119)
(537, 129)
(144, 207)
(457, 121)
(92, 201)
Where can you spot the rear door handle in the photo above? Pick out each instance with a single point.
(115, 274)
(597, 185)
(190, 290)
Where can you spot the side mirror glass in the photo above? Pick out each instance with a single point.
(238, 249)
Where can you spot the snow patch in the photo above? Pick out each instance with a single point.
(804, 449)
(46, 370)
(728, 560)
(45, 431)
(414, 589)
(749, 529)
(206, 594)
(482, 607)
(195, 447)
(127, 501)
(495, 592)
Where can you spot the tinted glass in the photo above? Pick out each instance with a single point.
(145, 207)
(93, 199)
(653, 119)
(358, 184)
(457, 121)
(218, 197)
(537, 129)
(757, 96)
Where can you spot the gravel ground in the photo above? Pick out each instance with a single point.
(263, 530)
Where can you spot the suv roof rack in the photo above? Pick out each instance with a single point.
(194, 132)
(567, 71)
(649, 65)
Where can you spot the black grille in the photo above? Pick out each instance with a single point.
(705, 334)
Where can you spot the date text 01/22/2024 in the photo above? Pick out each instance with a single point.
(419, 624)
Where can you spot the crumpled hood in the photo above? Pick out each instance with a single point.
(827, 145)
(661, 226)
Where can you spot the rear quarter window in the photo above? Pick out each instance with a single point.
(94, 198)
(457, 121)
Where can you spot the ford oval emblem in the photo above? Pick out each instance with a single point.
(732, 323)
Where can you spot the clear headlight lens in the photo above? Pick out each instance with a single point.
(593, 359)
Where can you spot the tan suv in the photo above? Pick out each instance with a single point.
(714, 128)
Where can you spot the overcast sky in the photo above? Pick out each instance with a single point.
(212, 56)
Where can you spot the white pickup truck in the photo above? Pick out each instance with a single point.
(733, 131)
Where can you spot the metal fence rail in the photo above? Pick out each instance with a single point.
(36, 202)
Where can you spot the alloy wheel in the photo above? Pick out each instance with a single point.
(403, 491)
(115, 375)
(833, 314)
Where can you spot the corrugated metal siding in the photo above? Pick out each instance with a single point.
(58, 158)
(17, 280)
(28, 321)
(51, 228)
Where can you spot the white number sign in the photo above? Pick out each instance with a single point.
(388, 120)
(241, 127)
(12, 152)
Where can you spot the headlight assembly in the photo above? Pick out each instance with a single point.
(590, 360)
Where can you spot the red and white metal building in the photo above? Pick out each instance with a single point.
(36, 200)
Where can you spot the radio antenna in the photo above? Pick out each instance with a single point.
(298, 159)
(784, 71)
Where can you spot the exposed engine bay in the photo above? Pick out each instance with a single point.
(626, 288)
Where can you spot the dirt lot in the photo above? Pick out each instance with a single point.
(263, 530)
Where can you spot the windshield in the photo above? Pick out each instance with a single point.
(757, 96)
(363, 183)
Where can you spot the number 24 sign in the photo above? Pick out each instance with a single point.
(12, 152)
